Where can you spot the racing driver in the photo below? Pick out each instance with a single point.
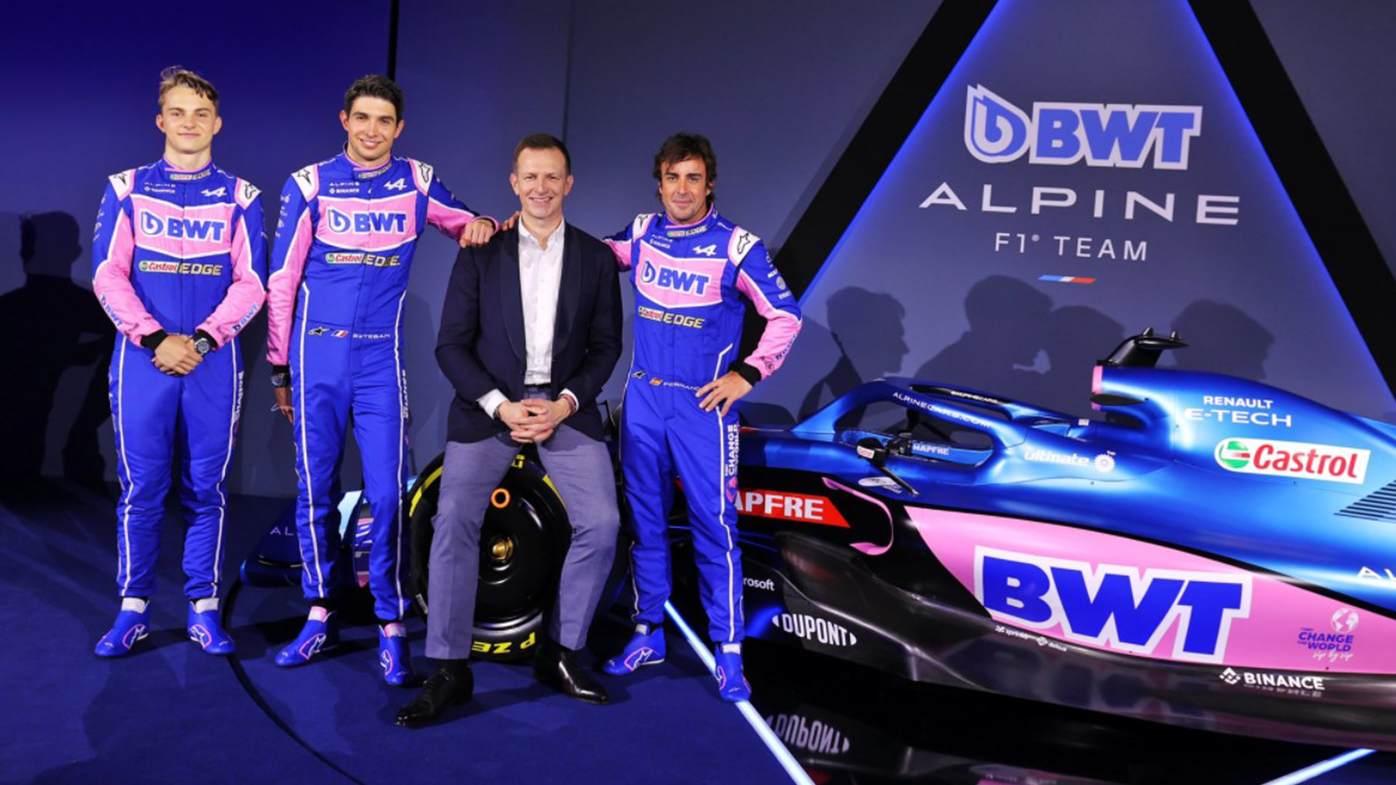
(340, 262)
(178, 262)
(691, 267)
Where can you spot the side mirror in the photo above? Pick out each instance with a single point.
(873, 450)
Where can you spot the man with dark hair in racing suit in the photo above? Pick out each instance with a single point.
(178, 261)
(340, 263)
(691, 268)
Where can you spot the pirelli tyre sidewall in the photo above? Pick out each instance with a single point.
(523, 541)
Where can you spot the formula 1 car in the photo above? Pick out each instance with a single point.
(1210, 552)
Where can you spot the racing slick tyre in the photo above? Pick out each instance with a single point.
(523, 541)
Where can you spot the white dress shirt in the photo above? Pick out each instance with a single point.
(540, 276)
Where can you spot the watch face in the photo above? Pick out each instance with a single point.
(203, 346)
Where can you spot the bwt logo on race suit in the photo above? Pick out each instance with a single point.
(153, 225)
(1113, 606)
(1062, 134)
(674, 280)
(367, 221)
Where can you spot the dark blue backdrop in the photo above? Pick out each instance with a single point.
(780, 88)
(938, 280)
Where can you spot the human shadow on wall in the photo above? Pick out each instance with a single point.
(1019, 346)
(1221, 339)
(257, 468)
(427, 388)
(867, 331)
(1074, 338)
(47, 326)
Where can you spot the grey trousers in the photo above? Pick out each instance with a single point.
(580, 467)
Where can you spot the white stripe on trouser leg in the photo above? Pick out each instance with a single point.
(722, 503)
(125, 461)
(305, 459)
(722, 522)
(620, 453)
(223, 475)
(401, 440)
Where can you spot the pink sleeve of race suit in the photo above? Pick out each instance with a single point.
(112, 249)
(248, 257)
(444, 210)
(759, 280)
(294, 236)
(622, 243)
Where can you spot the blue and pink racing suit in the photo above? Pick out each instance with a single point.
(340, 263)
(179, 252)
(689, 280)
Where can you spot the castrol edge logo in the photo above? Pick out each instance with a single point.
(1293, 459)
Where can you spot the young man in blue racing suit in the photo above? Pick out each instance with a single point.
(178, 261)
(340, 263)
(691, 268)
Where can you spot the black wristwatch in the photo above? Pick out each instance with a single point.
(281, 376)
(203, 344)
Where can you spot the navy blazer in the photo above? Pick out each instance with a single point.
(481, 344)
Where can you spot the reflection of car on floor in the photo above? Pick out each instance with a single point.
(1211, 552)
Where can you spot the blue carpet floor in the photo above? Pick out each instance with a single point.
(170, 713)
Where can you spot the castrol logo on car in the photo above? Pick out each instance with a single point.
(1298, 460)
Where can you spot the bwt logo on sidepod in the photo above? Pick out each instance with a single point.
(674, 280)
(366, 222)
(1062, 134)
(1293, 459)
(153, 225)
(1114, 606)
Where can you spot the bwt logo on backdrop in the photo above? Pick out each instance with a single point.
(1061, 134)
(367, 221)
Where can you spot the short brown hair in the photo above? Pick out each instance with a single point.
(542, 142)
(681, 147)
(374, 86)
(179, 76)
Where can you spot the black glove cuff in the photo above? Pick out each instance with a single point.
(745, 371)
(154, 339)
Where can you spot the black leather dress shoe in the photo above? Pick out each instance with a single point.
(557, 667)
(441, 689)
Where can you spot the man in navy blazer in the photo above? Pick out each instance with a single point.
(530, 331)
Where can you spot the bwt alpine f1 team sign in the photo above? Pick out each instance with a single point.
(1084, 172)
(1065, 134)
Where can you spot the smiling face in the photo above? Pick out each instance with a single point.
(684, 189)
(372, 125)
(541, 180)
(189, 122)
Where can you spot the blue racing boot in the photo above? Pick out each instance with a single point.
(394, 655)
(132, 624)
(320, 633)
(731, 684)
(205, 628)
(646, 647)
